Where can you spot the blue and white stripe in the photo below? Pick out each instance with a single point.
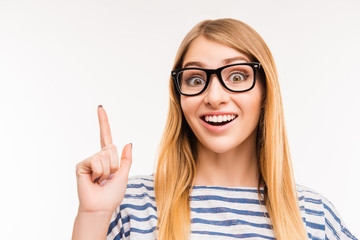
(221, 213)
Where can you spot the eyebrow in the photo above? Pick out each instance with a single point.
(225, 61)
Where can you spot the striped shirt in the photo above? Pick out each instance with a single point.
(221, 213)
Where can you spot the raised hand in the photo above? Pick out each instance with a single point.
(101, 182)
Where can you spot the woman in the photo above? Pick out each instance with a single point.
(224, 169)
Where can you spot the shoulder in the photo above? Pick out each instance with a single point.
(317, 201)
(140, 187)
(138, 181)
(320, 215)
(309, 195)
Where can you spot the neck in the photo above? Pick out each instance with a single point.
(234, 168)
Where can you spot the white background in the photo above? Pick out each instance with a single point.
(60, 59)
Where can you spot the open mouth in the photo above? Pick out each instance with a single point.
(219, 120)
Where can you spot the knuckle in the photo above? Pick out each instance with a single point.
(113, 147)
(95, 158)
(95, 166)
(77, 166)
(84, 164)
(105, 163)
(97, 171)
(106, 172)
(110, 147)
(77, 169)
(96, 155)
(105, 154)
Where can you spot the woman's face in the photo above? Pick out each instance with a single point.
(217, 101)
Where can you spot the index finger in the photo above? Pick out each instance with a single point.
(105, 133)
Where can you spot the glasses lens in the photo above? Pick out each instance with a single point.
(192, 81)
(238, 77)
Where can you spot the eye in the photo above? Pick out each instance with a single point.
(195, 81)
(237, 77)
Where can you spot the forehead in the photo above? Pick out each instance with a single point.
(211, 54)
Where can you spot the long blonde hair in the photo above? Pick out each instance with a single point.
(176, 165)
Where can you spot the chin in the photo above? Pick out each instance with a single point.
(218, 146)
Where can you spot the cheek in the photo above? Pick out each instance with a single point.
(257, 97)
(189, 106)
(250, 105)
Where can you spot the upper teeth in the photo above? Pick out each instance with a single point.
(219, 118)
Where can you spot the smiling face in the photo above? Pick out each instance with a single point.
(221, 120)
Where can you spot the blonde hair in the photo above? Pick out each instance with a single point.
(176, 165)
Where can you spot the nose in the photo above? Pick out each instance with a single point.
(216, 94)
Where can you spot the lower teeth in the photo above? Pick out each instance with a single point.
(218, 123)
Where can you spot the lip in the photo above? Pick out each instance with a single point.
(217, 129)
(217, 113)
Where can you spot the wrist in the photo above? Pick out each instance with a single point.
(91, 225)
(95, 214)
(86, 210)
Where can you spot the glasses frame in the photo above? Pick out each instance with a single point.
(175, 74)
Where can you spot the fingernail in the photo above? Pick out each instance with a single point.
(100, 106)
(102, 182)
(110, 176)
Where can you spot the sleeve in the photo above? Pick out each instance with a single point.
(116, 229)
(335, 227)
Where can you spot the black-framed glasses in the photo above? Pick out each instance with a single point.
(238, 77)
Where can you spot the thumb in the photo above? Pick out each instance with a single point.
(126, 160)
